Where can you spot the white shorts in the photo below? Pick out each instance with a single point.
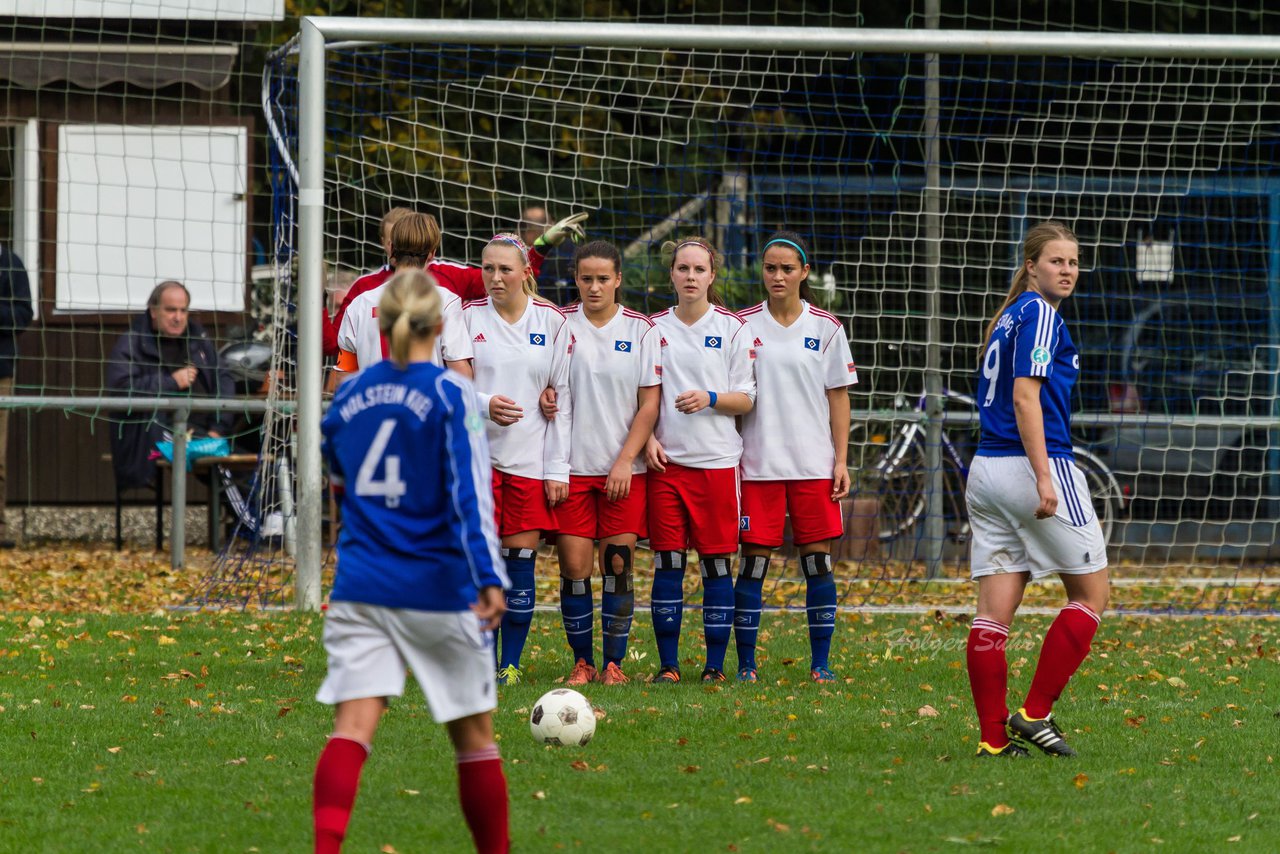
(1006, 535)
(370, 647)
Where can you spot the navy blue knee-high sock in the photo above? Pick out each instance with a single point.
(577, 611)
(617, 603)
(667, 605)
(515, 622)
(717, 608)
(820, 602)
(748, 600)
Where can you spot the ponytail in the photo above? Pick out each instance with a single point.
(410, 310)
(1032, 245)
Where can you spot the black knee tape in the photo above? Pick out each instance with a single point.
(612, 576)
(754, 567)
(518, 554)
(815, 564)
(669, 561)
(714, 567)
(574, 586)
(623, 552)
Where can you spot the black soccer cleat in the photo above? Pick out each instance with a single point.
(1012, 750)
(712, 674)
(1042, 733)
(666, 676)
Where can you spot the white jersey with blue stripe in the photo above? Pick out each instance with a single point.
(1030, 340)
(418, 528)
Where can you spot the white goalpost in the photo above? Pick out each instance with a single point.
(915, 158)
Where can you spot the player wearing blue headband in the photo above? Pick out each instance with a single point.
(794, 449)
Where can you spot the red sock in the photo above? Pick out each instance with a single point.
(1065, 646)
(337, 778)
(989, 678)
(482, 790)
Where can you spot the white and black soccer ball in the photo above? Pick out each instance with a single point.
(564, 717)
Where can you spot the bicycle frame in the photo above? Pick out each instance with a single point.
(909, 439)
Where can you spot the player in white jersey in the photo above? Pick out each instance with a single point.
(615, 382)
(1029, 506)
(794, 449)
(521, 345)
(360, 339)
(707, 381)
(419, 581)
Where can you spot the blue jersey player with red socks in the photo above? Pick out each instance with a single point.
(420, 581)
(1029, 506)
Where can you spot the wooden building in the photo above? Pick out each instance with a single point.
(127, 157)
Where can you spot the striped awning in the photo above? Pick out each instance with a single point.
(33, 65)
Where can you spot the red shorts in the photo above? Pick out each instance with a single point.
(693, 507)
(520, 504)
(588, 513)
(767, 503)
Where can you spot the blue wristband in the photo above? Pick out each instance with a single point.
(713, 399)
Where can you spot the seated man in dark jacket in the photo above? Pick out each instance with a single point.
(164, 354)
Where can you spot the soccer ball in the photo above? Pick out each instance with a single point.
(562, 716)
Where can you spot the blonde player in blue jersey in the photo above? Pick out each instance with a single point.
(614, 376)
(795, 446)
(419, 582)
(521, 345)
(707, 382)
(1029, 505)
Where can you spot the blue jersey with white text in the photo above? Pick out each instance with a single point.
(409, 446)
(1030, 340)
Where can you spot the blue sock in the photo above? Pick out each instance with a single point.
(617, 604)
(820, 603)
(717, 608)
(667, 605)
(577, 611)
(748, 599)
(515, 623)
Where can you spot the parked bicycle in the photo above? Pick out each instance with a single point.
(890, 463)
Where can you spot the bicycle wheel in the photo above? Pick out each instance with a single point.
(1104, 490)
(900, 481)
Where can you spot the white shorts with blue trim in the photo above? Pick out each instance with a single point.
(1006, 535)
(370, 647)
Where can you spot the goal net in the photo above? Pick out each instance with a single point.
(1165, 168)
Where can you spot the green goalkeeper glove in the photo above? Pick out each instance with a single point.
(570, 226)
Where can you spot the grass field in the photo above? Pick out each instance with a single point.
(198, 732)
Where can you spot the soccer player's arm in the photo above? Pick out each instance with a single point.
(467, 282)
(648, 402)
(555, 458)
(537, 255)
(840, 374)
(740, 396)
(469, 483)
(1029, 375)
(348, 363)
(454, 342)
(361, 285)
(328, 427)
(329, 333)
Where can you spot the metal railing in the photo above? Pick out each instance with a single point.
(181, 408)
